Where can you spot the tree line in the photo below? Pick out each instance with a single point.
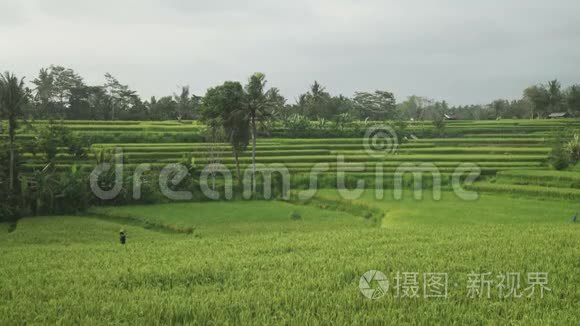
(60, 93)
(234, 113)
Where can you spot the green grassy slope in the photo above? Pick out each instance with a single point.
(72, 270)
(235, 218)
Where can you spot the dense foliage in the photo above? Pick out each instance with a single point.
(60, 93)
(46, 163)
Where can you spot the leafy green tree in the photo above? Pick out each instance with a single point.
(573, 98)
(65, 80)
(55, 135)
(54, 87)
(414, 107)
(277, 105)
(339, 106)
(74, 188)
(225, 105)
(379, 105)
(439, 123)
(545, 99)
(499, 107)
(163, 108)
(89, 103)
(539, 98)
(518, 109)
(122, 97)
(186, 104)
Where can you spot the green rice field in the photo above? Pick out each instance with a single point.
(300, 261)
(251, 263)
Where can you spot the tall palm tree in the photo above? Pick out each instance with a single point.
(317, 95)
(555, 97)
(256, 108)
(44, 89)
(183, 102)
(13, 97)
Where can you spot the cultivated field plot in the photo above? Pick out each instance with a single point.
(226, 219)
(301, 262)
(71, 270)
(493, 145)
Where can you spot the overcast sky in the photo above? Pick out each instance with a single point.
(457, 50)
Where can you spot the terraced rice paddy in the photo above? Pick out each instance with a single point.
(515, 150)
(251, 263)
(495, 152)
(494, 146)
(300, 262)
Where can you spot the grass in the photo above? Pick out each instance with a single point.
(79, 272)
(529, 190)
(544, 178)
(571, 175)
(241, 217)
(493, 209)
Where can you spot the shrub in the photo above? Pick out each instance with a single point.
(295, 216)
(439, 124)
(559, 157)
(297, 123)
(573, 149)
(12, 227)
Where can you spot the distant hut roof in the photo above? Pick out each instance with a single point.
(558, 115)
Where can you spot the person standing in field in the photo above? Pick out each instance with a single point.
(123, 237)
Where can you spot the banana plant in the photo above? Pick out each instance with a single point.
(40, 189)
(573, 148)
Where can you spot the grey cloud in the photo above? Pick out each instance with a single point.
(462, 51)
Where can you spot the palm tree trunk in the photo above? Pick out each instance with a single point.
(12, 136)
(254, 135)
(11, 166)
(238, 173)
